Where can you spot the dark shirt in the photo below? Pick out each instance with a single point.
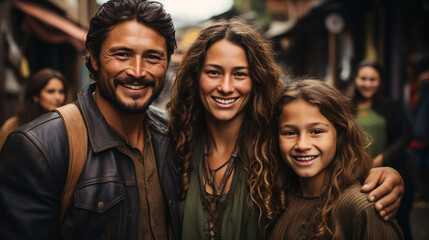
(152, 201)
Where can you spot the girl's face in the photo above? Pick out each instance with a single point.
(367, 82)
(225, 85)
(52, 95)
(307, 140)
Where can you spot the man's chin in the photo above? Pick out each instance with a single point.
(133, 108)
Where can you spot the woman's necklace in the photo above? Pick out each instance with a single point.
(210, 174)
(215, 203)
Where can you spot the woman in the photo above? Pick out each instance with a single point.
(45, 91)
(387, 127)
(221, 101)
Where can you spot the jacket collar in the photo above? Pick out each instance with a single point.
(99, 133)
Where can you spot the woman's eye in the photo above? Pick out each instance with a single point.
(241, 74)
(213, 73)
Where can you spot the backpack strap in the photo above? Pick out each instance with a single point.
(78, 150)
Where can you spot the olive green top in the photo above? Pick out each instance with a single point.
(374, 125)
(237, 223)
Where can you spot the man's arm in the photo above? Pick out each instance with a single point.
(29, 192)
(386, 187)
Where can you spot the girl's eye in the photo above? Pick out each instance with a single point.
(50, 91)
(317, 131)
(288, 133)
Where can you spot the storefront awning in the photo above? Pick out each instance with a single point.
(50, 26)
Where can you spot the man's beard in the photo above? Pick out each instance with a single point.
(132, 108)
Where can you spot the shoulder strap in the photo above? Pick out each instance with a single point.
(78, 147)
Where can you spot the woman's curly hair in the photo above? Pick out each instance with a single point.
(187, 113)
(351, 163)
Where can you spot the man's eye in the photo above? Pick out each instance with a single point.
(154, 57)
(121, 54)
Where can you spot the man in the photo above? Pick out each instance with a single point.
(127, 189)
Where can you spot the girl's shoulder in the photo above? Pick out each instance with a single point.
(353, 201)
(358, 219)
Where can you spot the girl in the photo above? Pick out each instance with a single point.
(45, 91)
(326, 164)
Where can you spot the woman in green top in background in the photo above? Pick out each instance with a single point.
(387, 127)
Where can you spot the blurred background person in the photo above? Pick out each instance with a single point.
(45, 91)
(420, 143)
(387, 129)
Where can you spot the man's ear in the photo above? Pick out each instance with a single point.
(93, 61)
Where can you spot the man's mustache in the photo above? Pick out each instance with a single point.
(134, 81)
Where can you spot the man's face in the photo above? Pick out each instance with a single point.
(132, 66)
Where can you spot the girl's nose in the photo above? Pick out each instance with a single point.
(303, 143)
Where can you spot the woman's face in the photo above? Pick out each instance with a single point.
(367, 82)
(52, 95)
(225, 84)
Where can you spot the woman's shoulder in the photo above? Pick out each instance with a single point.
(11, 123)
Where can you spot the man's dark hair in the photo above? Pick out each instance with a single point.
(114, 12)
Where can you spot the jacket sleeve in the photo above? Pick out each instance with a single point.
(29, 191)
(401, 133)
